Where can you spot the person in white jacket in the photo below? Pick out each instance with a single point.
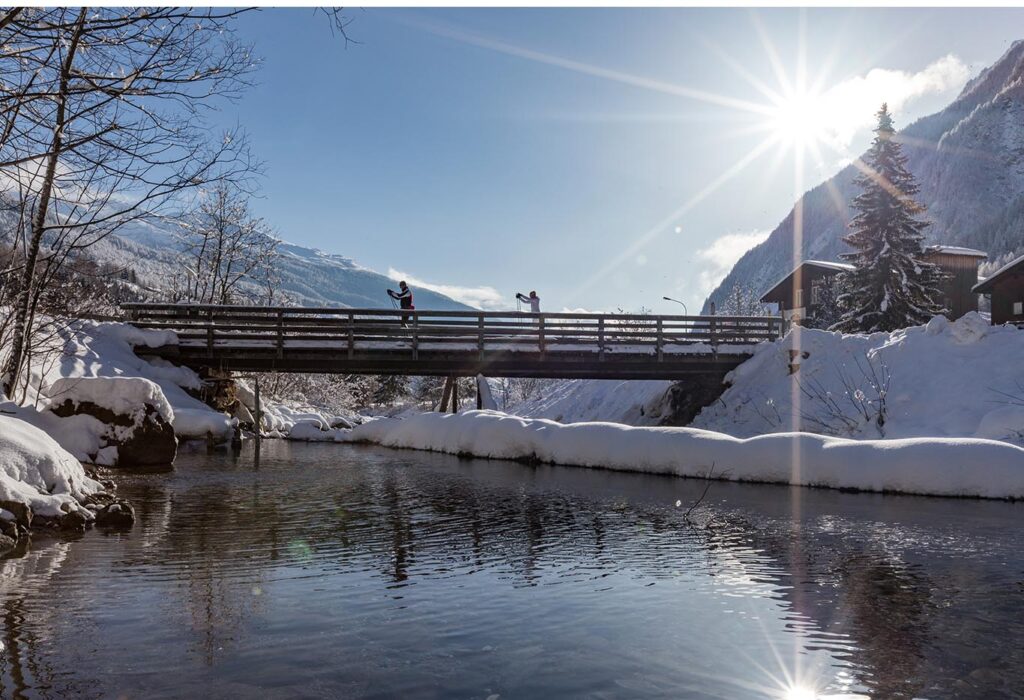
(533, 300)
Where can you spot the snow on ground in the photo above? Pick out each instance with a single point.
(37, 471)
(930, 466)
(292, 419)
(953, 379)
(576, 400)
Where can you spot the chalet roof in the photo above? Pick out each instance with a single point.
(956, 250)
(985, 286)
(823, 264)
(827, 264)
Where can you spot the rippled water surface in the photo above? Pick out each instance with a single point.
(342, 571)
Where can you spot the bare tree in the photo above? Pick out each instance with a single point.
(226, 247)
(104, 123)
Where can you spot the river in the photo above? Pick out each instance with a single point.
(342, 571)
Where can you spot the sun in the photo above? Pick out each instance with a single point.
(798, 118)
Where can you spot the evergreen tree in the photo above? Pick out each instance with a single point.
(828, 310)
(890, 286)
(743, 301)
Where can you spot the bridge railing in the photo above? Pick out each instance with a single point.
(353, 330)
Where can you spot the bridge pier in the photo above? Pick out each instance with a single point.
(450, 395)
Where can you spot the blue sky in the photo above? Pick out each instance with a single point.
(605, 158)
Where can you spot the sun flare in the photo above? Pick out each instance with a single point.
(799, 119)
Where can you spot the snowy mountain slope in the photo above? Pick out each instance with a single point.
(310, 277)
(969, 161)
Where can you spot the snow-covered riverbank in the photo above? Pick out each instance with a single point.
(928, 466)
(958, 378)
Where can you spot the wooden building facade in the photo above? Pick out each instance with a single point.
(1005, 287)
(961, 268)
(798, 295)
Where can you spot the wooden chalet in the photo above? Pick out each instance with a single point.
(1005, 287)
(799, 294)
(961, 268)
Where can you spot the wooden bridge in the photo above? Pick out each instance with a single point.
(452, 343)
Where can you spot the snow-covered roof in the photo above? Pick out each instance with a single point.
(956, 250)
(825, 264)
(985, 286)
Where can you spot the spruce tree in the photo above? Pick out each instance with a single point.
(890, 286)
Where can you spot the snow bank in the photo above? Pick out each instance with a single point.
(947, 379)
(283, 419)
(933, 466)
(93, 350)
(35, 470)
(312, 432)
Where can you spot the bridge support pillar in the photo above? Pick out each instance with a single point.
(446, 394)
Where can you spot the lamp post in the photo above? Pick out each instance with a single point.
(685, 312)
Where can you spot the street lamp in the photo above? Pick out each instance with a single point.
(685, 312)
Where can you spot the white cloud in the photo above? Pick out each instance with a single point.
(719, 257)
(485, 298)
(850, 105)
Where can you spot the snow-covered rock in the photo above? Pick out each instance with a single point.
(315, 432)
(38, 472)
(125, 396)
(90, 350)
(932, 466)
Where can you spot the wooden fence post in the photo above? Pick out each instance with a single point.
(415, 335)
(280, 335)
(480, 337)
(351, 335)
(600, 339)
(661, 341)
(540, 336)
(209, 332)
(258, 418)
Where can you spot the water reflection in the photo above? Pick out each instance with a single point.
(345, 571)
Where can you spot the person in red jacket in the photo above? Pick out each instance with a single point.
(404, 297)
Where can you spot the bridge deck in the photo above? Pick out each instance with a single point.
(496, 344)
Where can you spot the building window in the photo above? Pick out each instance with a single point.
(799, 303)
(1018, 308)
(815, 293)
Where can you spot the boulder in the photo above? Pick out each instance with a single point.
(141, 441)
(75, 521)
(119, 514)
(22, 513)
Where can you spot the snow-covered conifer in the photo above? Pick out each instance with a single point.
(891, 286)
